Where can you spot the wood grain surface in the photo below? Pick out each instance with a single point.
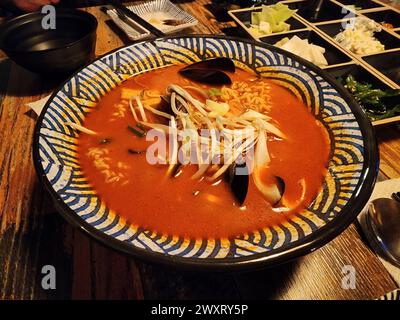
(32, 233)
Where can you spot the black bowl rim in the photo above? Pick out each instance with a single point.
(73, 13)
(294, 250)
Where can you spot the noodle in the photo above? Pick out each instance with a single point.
(242, 97)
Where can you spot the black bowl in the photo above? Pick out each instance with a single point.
(57, 51)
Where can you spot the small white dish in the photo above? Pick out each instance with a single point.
(154, 12)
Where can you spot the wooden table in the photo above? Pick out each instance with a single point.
(33, 234)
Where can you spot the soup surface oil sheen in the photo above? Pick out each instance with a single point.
(145, 196)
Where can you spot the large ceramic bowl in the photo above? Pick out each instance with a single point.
(352, 170)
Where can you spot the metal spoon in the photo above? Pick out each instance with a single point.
(381, 226)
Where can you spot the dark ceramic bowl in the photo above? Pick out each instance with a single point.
(352, 168)
(62, 50)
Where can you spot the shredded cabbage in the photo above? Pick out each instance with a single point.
(271, 19)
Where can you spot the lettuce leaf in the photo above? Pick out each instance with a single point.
(275, 15)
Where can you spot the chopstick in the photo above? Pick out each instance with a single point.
(125, 14)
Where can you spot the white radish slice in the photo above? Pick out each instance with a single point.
(174, 155)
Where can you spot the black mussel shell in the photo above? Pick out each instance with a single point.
(222, 64)
(166, 105)
(239, 183)
(205, 76)
(280, 183)
(166, 99)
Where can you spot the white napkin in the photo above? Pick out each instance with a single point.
(37, 106)
(385, 189)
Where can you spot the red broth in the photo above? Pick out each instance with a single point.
(145, 196)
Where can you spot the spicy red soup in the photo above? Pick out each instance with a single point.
(114, 159)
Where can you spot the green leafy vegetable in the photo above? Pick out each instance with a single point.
(136, 132)
(377, 103)
(140, 126)
(214, 92)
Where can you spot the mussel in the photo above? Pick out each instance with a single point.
(237, 177)
(211, 77)
(277, 190)
(222, 64)
(210, 71)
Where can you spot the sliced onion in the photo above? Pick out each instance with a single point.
(80, 128)
(158, 112)
(271, 128)
(157, 126)
(261, 156)
(197, 89)
(270, 192)
(200, 172)
(252, 114)
(242, 132)
(173, 106)
(182, 92)
(133, 110)
(141, 109)
(237, 153)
